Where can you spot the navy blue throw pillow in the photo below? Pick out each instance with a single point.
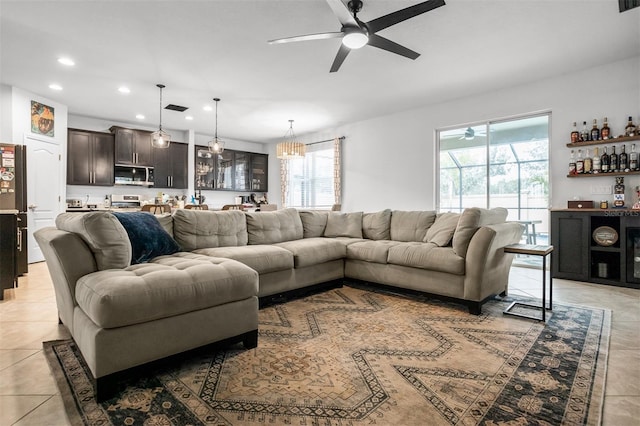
(148, 238)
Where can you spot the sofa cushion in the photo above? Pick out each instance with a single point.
(261, 258)
(314, 222)
(344, 225)
(470, 221)
(376, 226)
(103, 233)
(274, 227)
(441, 232)
(410, 225)
(371, 251)
(313, 251)
(426, 256)
(168, 286)
(195, 229)
(166, 221)
(147, 237)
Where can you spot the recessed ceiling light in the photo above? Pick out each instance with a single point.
(140, 117)
(124, 89)
(208, 108)
(188, 117)
(55, 86)
(66, 61)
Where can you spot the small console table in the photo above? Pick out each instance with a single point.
(534, 250)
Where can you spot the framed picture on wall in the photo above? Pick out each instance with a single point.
(42, 119)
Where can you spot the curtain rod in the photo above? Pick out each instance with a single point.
(326, 140)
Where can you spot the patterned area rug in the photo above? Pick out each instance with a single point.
(356, 356)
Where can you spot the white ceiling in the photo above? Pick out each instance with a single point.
(215, 48)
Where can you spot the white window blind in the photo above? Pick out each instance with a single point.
(310, 180)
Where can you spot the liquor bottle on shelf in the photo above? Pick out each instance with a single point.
(613, 160)
(572, 164)
(633, 158)
(605, 132)
(597, 165)
(595, 132)
(575, 134)
(588, 162)
(580, 163)
(631, 129)
(604, 161)
(584, 134)
(623, 160)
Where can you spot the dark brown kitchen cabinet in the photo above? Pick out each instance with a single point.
(89, 158)
(132, 146)
(259, 175)
(170, 166)
(231, 171)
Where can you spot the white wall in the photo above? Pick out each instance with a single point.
(389, 161)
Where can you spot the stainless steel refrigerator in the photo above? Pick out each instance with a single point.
(13, 215)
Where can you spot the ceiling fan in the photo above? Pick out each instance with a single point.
(356, 34)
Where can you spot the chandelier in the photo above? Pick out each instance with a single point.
(290, 148)
(216, 145)
(160, 138)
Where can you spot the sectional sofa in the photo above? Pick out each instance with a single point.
(134, 287)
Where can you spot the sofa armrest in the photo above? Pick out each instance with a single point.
(486, 264)
(68, 258)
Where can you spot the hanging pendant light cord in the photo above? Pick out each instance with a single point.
(161, 86)
(216, 135)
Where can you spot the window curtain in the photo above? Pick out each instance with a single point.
(337, 170)
(284, 183)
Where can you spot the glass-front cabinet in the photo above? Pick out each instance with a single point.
(231, 170)
(224, 170)
(241, 171)
(259, 167)
(633, 255)
(204, 168)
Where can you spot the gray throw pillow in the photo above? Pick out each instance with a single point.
(441, 232)
(314, 222)
(344, 225)
(103, 233)
(375, 226)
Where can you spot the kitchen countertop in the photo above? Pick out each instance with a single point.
(8, 211)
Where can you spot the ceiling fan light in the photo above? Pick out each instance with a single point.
(355, 38)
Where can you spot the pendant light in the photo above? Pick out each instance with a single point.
(216, 145)
(290, 148)
(160, 138)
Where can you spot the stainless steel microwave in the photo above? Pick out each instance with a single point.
(133, 175)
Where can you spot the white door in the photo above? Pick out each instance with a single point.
(43, 190)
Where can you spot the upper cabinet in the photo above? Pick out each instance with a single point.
(89, 158)
(132, 146)
(230, 171)
(259, 172)
(170, 166)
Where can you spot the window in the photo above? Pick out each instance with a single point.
(312, 181)
(498, 164)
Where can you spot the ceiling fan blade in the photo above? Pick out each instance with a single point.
(342, 13)
(319, 36)
(385, 44)
(340, 57)
(402, 15)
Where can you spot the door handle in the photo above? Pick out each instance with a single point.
(19, 236)
(32, 206)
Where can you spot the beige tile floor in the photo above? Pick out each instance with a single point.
(29, 396)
